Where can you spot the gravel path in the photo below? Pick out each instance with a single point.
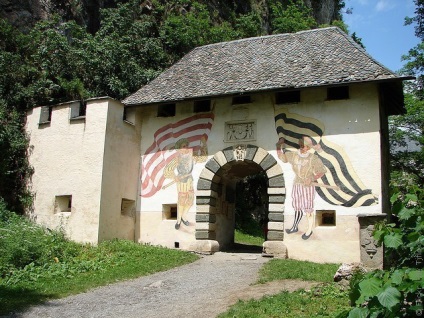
(204, 288)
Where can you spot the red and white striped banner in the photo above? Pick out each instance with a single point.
(162, 150)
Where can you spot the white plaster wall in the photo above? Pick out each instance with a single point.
(67, 157)
(120, 174)
(352, 124)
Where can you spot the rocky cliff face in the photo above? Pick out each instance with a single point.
(25, 13)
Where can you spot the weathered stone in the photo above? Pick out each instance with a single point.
(276, 191)
(276, 182)
(276, 198)
(205, 235)
(372, 254)
(220, 159)
(276, 207)
(250, 152)
(229, 154)
(275, 235)
(213, 165)
(275, 226)
(260, 155)
(206, 200)
(274, 171)
(204, 246)
(203, 226)
(346, 271)
(268, 162)
(206, 174)
(207, 218)
(275, 249)
(276, 217)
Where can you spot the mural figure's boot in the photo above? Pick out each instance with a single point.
(186, 223)
(297, 217)
(177, 225)
(308, 233)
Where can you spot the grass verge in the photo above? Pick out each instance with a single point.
(325, 300)
(244, 238)
(109, 262)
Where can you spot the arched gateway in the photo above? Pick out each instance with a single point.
(212, 197)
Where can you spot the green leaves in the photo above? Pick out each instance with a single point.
(389, 297)
(370, 287)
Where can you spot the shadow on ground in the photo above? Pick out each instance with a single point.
(243, 248)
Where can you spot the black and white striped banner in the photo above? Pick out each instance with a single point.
(352, 192)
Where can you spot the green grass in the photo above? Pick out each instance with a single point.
(292, 269)
(325, 300)
(110, 262)
(243, 238)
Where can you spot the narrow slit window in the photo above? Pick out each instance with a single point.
(166, 110)
(202, 106)
(290, 97)
(338, 92)
(243, 99)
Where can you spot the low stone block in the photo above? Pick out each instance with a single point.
(204, 246)
(275, 226)
(276, 198)
(276, 249)
(276, 182)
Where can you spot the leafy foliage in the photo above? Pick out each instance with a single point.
(251, 206)
(396, 292)
(293, 17)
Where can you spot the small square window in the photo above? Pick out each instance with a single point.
(169, 211)
(325, 218)
(243, 99)
(338, 92)
(46, 114)
(128, 207)
(290, 97)
(202, 106)
(63, 203)
(166, 110)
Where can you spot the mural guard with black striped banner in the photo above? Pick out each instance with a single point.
(340, 185)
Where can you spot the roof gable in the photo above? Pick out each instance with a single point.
(295, 60)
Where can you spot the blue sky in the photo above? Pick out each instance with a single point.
(380, 24)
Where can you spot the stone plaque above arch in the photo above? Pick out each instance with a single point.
(236, 131)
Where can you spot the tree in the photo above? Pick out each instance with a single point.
(293, 17)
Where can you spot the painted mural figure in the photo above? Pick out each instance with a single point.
(308, 168)
(179, 169)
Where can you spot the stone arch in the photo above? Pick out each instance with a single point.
(208, 188)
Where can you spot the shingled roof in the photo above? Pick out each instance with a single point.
(310, 58)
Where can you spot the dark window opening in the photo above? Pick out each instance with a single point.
(166, 110)
(287, 97)
(177, 244)
(202, 106)
(173, 212)
(326, 217)
(82, 108)
(339, 92)
(244, 99)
